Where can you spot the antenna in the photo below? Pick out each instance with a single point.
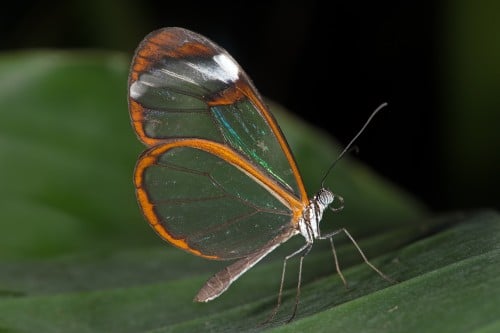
(349, 145)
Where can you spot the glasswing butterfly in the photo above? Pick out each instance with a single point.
(218, 179)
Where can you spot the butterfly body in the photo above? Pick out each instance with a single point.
(307, 226)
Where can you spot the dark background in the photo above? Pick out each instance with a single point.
(436, 63)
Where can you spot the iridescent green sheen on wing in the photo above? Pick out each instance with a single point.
(245, 129)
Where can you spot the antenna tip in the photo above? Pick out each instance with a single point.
(380, 107)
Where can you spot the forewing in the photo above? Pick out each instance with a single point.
(182, 85)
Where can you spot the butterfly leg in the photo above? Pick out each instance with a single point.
(330, 237)
(299, 281)
(303, 251)
(337, 265)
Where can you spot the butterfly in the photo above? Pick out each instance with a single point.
(218, 179)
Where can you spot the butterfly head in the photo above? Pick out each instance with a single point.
(325, 198)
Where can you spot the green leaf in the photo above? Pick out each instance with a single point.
(77, 256)
(67, 154)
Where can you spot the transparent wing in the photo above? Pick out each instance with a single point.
(182, 85)
(205, 199)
